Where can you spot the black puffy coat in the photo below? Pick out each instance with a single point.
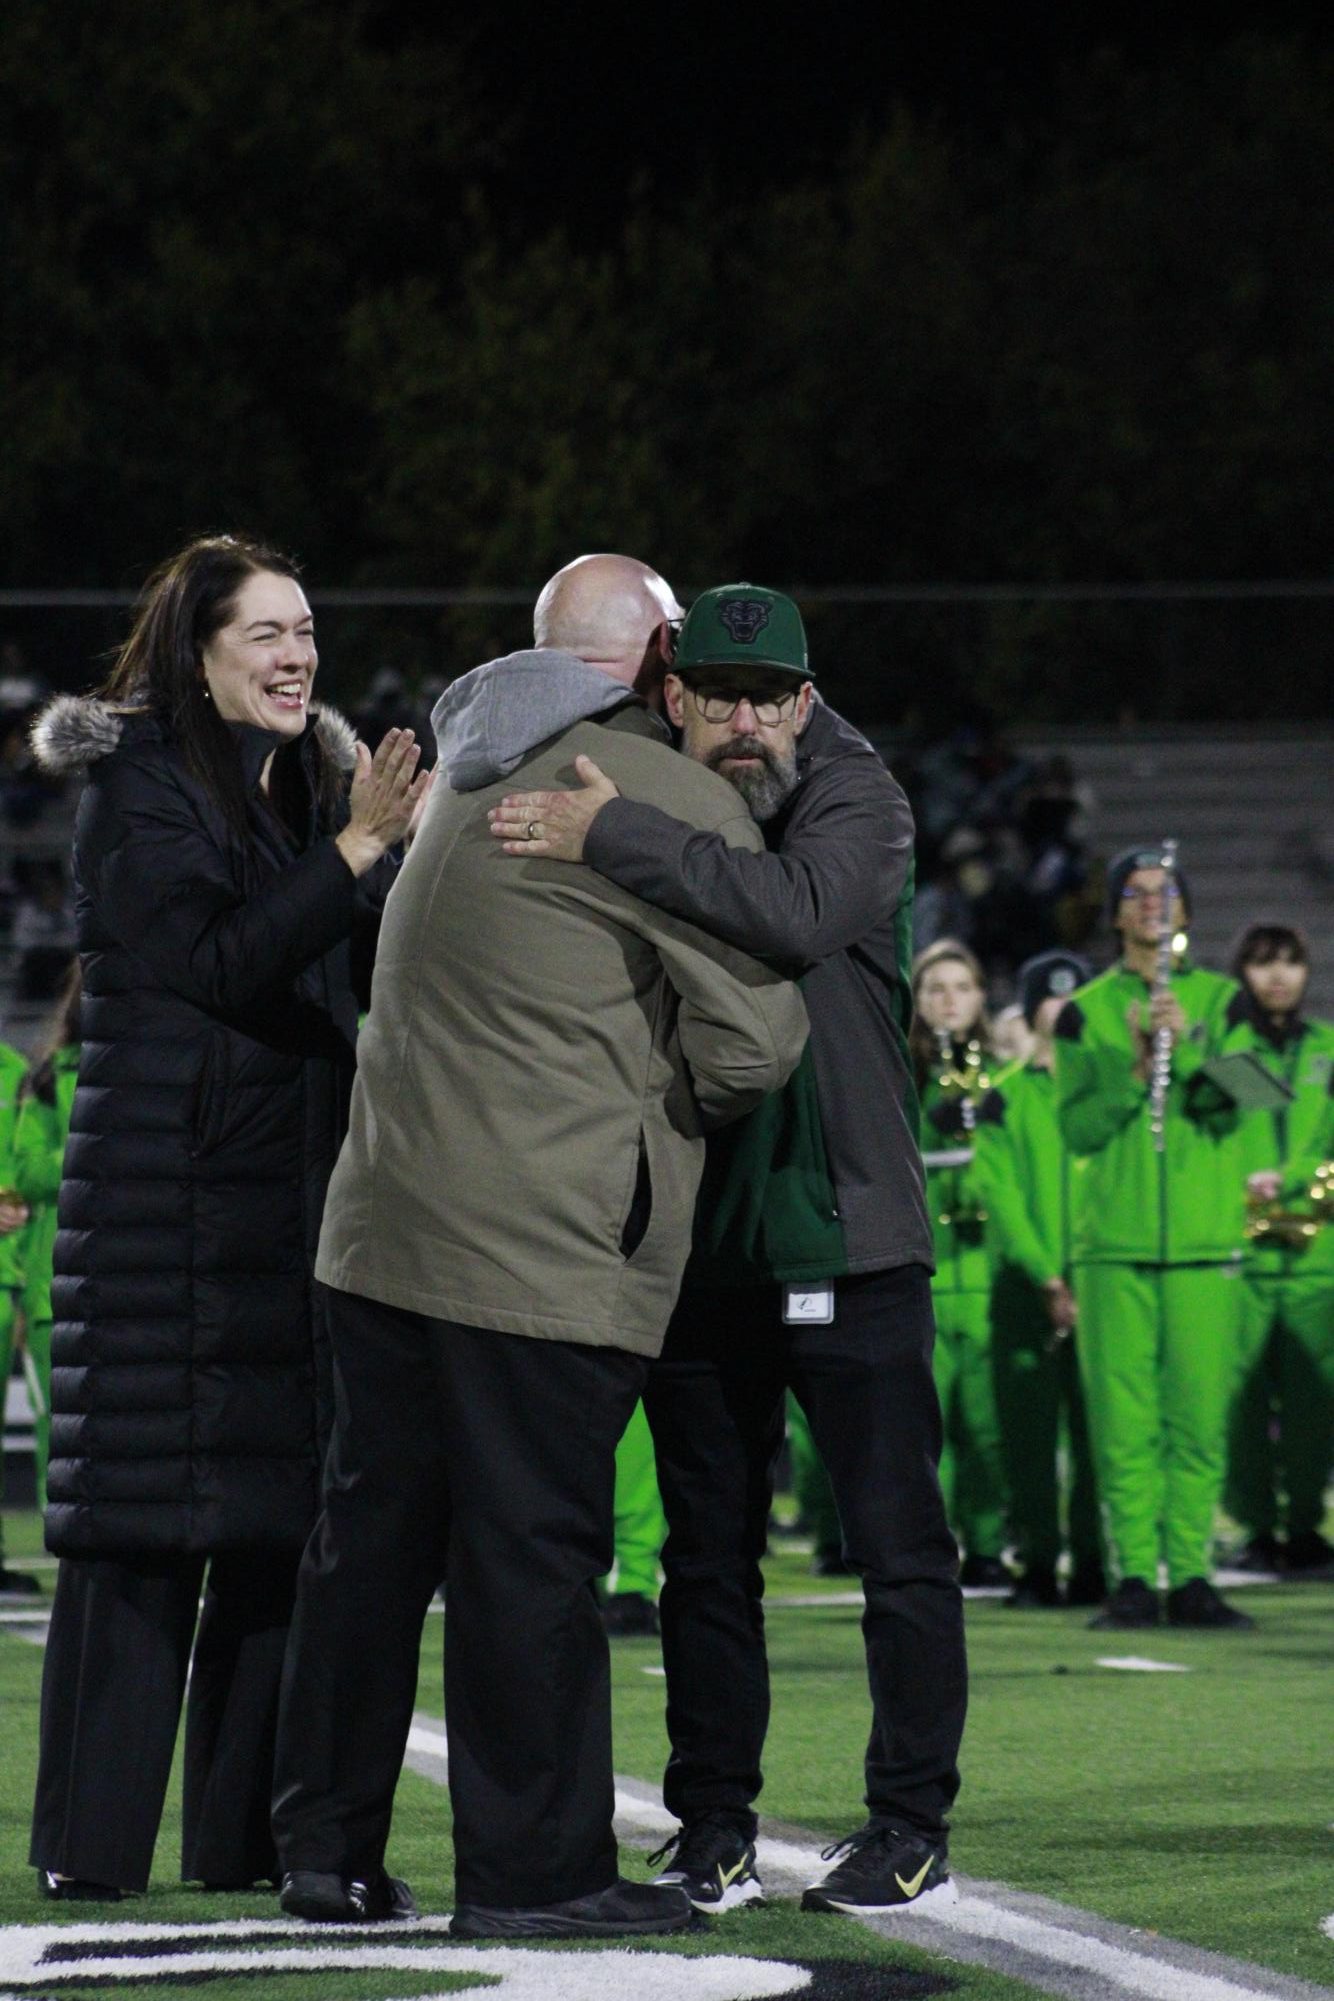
(218, 1037)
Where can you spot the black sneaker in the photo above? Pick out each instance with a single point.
(1088, 1584)
(621, 1909)
(1263, 1554)
(714, 1863)
(1308, 1551)
(629, 1615)
(1037, 1590)
(882, 1870)
(328, 1899)
(985, 1573)
(1130, 1606)
(18, 1584)
(1196, 1603)
(831, 1563)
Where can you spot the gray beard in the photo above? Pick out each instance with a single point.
(766, 790)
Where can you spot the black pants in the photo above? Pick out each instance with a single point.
(487, 1460)
(112, 1687)
(715, 1403)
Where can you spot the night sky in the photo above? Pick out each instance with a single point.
(595, 101)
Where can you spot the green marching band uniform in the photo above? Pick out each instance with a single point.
(640, 1526)
(1157, 1264)
(972, 1470)
(13, 1248)
(1287, 1294)
(39, 1150)
(1030, 1183)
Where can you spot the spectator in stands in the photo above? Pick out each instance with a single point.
(43, 935)
(222, 863)
(25, 790)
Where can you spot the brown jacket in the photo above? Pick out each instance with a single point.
(542, 1056)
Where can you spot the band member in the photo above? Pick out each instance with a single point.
(1157, 1245)
(1287, 1294)
(951, 1044)
(1029, 1184)
(630, 1608)
(15, 1216)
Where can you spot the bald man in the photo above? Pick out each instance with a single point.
(502, 1245)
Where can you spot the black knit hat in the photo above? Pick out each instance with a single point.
(1050, 973)
(1120, 870)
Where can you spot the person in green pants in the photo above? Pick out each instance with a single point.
(1028, 1182)
(952, 1050)
(46, 1100)
(14, 1220)
(1287, 1337)
(630, 1610)
(1157, 1251)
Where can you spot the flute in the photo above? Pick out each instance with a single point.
(1160, 1073)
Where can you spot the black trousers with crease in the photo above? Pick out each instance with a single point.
(117, 1658)
(488, 1460)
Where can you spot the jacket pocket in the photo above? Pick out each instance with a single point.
(210, 1106)
(635, 1228)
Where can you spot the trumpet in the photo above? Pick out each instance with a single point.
(1271, 1227)
(962, 1078)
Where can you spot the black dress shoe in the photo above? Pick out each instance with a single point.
(16, 1585)
(1088, 1584)
(1036, 1591)
(1307, 1552)
(1196, 1603)
(1131, 1606)
(1263, 1554)
(622, 1908)
(328, 1899)
(985, 1573)
(629, 1615)
(75, 1889)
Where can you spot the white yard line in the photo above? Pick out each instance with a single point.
(1053, 1946)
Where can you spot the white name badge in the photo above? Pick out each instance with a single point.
(810, 1306)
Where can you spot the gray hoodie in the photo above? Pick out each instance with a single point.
(487, 721)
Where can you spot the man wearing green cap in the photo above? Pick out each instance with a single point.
(811, 1260)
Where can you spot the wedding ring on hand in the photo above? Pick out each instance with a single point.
(534, 830)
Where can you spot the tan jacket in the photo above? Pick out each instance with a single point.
(542, 1054)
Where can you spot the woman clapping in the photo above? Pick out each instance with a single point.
(224, 865)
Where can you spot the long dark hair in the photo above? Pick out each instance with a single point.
(1263, 943)
(62, 1030)
(185, 602)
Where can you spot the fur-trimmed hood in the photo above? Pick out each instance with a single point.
(74, 731)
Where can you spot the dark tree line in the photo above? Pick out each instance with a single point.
(262, 265)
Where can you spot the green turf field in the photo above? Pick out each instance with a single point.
(1193, 1805)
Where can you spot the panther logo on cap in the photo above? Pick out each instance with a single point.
(744, 618)
(1063, 981)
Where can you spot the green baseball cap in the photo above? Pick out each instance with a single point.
(743, 625)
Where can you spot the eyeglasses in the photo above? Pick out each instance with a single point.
(720, 708)
(1130, 894)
